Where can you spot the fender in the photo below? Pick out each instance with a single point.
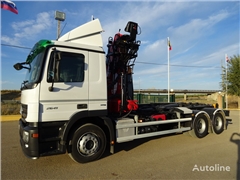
(75, 118)
(86, 114)
(109, 123)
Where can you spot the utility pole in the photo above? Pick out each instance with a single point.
(168, 49)
(227, 60)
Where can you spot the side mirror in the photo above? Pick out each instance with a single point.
(55, 75)
(18, 66)
(57, 56)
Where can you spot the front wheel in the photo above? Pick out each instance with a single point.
(88, 143)
(200, 126)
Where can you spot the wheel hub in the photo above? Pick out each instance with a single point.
(218, 123)
(88, 144)
(201, 126)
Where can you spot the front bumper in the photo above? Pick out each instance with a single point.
(29, 139)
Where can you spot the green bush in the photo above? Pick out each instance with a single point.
(10, 108)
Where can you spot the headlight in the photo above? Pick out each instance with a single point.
(25, 136)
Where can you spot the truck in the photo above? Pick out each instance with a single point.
(79, 100)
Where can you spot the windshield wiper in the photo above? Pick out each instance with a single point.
(23, 86)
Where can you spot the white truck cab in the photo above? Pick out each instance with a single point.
(65, 79)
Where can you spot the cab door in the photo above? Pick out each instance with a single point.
(69, 82)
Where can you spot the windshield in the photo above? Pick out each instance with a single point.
(35, 61)
(33, 74)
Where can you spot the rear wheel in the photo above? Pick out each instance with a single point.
(88, 143)
(200, 126)
(218, 123)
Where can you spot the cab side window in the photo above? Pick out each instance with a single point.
(70, 68)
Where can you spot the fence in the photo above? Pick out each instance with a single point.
(149, 98)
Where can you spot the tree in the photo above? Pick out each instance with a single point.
(231, 76)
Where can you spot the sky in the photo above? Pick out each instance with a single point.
(200, 32)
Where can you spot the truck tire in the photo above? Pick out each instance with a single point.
(200, 126)
(88, 143)
(218, 123)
